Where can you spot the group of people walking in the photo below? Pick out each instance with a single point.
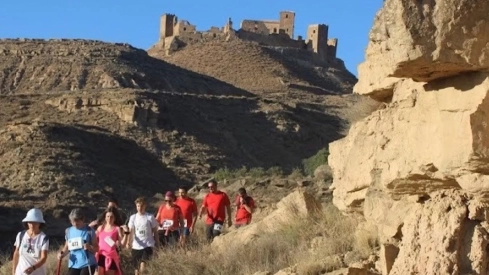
(94, 248)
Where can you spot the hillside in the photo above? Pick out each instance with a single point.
(32, 66)
(62, 148)
(260, 69)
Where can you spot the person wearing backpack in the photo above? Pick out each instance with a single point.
(31, 246)
(81, 245)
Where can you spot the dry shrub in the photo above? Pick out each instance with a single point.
(366, 239)
(290, 245)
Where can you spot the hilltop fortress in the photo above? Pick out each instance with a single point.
(176, 34)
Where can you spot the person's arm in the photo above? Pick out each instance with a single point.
(122, 237)
(157, 218)
(44, 256)
(228, 210)
(195, 214)
(98, 221)
(93, 246)
(248, 205)
(63, 251)
(227, 203)
(181, 220)
(154, 227)
(130, 236)
(15, 260)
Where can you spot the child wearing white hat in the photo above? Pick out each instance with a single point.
(31, 246)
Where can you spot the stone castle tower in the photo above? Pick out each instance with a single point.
(287, 22)
(167, 23)
(317, 39)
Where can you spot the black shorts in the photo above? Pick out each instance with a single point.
(101, 262)
(141, 255)
(82, 271)
(210, 233)
(172, 238)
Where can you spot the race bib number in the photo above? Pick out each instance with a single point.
(75, 243)
(218, 227)
(167, 224)
(108, 240)
(141, 232)
(185, 223)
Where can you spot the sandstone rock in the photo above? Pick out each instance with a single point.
(423, 141)
(424, 41)
(388, 254)
(440, 239)
(296, 205)
(352, 271)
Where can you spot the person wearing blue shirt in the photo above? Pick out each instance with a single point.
(81, 245)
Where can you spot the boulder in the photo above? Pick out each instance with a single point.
(424, 41)
(298, 204)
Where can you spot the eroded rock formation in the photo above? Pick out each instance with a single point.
(424, 40)
(418, 168)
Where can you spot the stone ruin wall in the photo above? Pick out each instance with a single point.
(175, 34)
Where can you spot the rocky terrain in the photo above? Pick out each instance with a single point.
(417, 168)
(260, 69)
(33, 66)
(85, 120)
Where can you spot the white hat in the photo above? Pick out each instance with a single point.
(34, 215)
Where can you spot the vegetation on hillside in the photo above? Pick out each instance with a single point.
(313, 245)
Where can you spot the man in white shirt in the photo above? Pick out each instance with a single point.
(143, 235)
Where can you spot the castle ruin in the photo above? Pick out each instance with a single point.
(175, 34)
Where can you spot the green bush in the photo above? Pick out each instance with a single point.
(310, 164)
(223, 173)
(275, 171)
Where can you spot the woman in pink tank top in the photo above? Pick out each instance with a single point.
(110, 236)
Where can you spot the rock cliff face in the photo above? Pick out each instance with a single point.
(424, 40)
(418, 168)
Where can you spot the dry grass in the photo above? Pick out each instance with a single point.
(312, 245)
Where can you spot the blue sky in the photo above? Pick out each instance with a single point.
(138, 24)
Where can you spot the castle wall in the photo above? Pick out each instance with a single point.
(184, 27)
(278, 34)
(332, 46)
(276, 40)
(260, 27)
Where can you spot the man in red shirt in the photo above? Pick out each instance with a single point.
(170, 220)
(217, 205)
(189, 211)
(245, 206)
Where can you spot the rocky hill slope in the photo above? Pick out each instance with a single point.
(261, 69)
(64, 144)
(417, 169)
(32, 66)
